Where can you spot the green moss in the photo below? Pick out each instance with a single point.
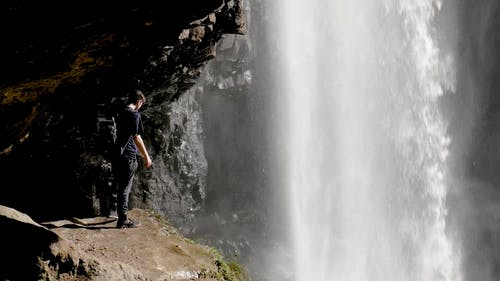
(228, 271)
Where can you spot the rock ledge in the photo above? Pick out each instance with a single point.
(93, 249)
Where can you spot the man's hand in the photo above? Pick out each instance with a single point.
(148, 162)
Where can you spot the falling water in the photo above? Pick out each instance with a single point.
(367, 142)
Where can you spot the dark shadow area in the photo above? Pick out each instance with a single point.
(22, 244)
(79, 223)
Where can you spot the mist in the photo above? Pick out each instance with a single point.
(250, 142)
(474, 113)
(239, 127)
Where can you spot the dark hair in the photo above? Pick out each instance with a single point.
(135, 96)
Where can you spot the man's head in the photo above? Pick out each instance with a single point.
(137, 98)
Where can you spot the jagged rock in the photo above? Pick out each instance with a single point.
(60, 77)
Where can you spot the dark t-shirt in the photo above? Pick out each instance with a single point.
(129, 124)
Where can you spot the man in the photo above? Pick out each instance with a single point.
(129, 131)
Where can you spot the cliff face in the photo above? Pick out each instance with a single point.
(65, 66)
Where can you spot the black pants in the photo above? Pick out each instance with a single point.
(124, 171)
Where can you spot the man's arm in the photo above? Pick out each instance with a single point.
(142, 149)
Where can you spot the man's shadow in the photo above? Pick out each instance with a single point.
(89, 223)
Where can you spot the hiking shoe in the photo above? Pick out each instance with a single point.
(128, 223)
(113, 215)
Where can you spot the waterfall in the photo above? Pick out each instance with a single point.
(367, 144)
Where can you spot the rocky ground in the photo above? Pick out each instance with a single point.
(93, 249)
